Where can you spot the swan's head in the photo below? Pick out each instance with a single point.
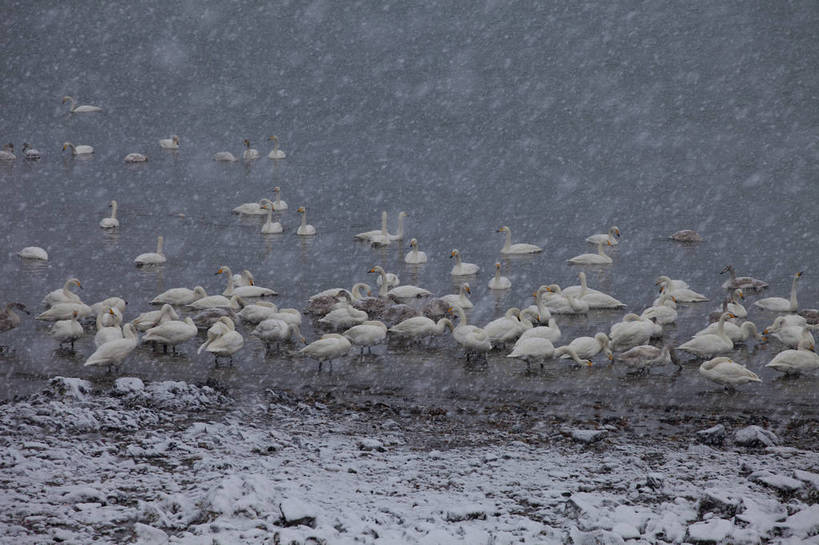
(277, 189)
(67, 99)
(402, 214)
(246, 142)
(175, 139)
(26, 146)
(223, 270)
(798, 275)
(377, 269)
(276, 140)
(502, 229)
(466, 288)
(615, 231)
(413, 243)
(726, 269)
(553, 288)
(10, 147)
(300, 210)
(454, 253)
(76, 313)
(738, 293)
(18, 306)
(497, 266)
(65, 146)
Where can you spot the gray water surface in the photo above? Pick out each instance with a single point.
(558, 121)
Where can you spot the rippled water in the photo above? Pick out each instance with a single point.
(558, 121)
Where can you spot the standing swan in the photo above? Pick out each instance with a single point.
(85, 108)
(276, 153)
(780, 304)
(727, 372)
(473, 339)
(114, 352)
(152, 258)
(516, 249)
(600, 258)
(111, 222)
(305, 229)
(585, 348)
(78, 150)
(710, 344)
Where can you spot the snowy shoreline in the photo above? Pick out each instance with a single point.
(170, 462)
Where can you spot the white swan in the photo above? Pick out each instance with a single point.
(7, 153)
(664, 311)
(611, 237)
(136, 158)
(344, 316)
(290, 316)
(391, 279)
(179, 296)
(244, 278)
(215, 301)
(727, 372)
(741, 282)
(114, 352)
(278, 204)
(710, 343)
(152, 258)
(516, 249)
(801, 360)
(499, 282)
(672, 284)
(111, 222)
(64, 311)
(64, 294)
(399, 233)
(242, 291)
(563, 304)
(789, 335)
(172, 333)
(600, 258)
(681, 295)
(375, 233)
(594, 298)
(252, 208)
(118, 304)
(645, 356)
(415, 256)
(531, 349)
(258, 312)
(82, 149)
(550, 332)
(305, 229)
(108, 327)
(33, 253)
(147, 320)
(367, 334)
(419, 327)
(472, 339)
(509, 327)
(274, 330)
(734, 306)
(249, 154)
(169, 143)
(780, 304)
(224, 156)
(633, 331)
(276, 153)
(226, 343)
(461, 268)
(270, 227)
(327, 348)
(85, 108)
(460, 299)
(67, 331)
(29, 153)
(585, 348)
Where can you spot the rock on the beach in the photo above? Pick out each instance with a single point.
(714, 435)
(720, 502)
(596, 537)
(803, 523)
(371, 444)
(128, 385)
(70, 387)
(710, 531)
(625, 530)
(465, 512)
(297, 513)
(586, 436)
(754, 436)
(148, 535)
(782, 483)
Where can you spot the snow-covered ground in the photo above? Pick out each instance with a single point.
(169, 462)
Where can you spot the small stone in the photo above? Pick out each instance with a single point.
(128, 385)
(755, 436)
(782, 483)
(625, 530)
(71, 387)
(586, 436)
(465, 512)
(148, 535)
(297, 513)
(710, 531)
(714, 435)
(368, 444)
(717, 501)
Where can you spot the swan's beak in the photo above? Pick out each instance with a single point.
(798, 274)
(371, 270)
(451, 254)
(611, 357)
(765, 331)
(468, 289)
(218, 272)
(80, 286)
(764, 338)
(742, 295)
(589, 363)
(111, 312)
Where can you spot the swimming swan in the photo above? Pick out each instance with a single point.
(64, 294)
(250, 153)
(270, 227)
(85, 108)
(82, 149)
(611, 237)
(780, 304)
(516, 249)
(242, 291)
(461, 268)
(276, 153)
(499, 282)
(111, 222)
(305, 229)
(742, 282)
(152, 258)
(415, 256)
(710, 343)
(136, 158)
(600, 258)
(594, 298)
(460, 299)
(169, 143)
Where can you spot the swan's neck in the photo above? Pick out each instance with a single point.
(400, 232)
(508, 243)
(721, 326)
(749, 329)
(600, 249)
(794, 304)
(573, 354)
(304, 219)
(525, 321)
(275, 144)
(497, 275)
(733, 274)
(269, 216)
(73, 103)
(442, 324)
(553, 325)
(227, 272)
(128, 332)
(113, 210)
(414, 251)
(382, 291)
(459, 312)
(583, 287)
(68, 284)
(99, 320)
(573, 302)
(458, 259)
(159, 242)
(356, 291)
